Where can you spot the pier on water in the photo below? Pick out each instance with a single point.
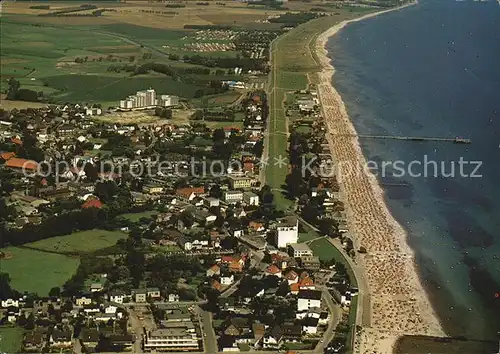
(456, 140)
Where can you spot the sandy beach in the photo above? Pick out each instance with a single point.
(398, 301)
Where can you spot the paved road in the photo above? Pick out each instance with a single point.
(136, 325)
(209, 337)
(336, 316)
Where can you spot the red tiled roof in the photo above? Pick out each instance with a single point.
(92, 203)
(216, 285)
(17, 141)
(187, 191)
(7, 155)
(16, 162)
(248, 166)
(215, 268)
(272, 269)
(306, 282)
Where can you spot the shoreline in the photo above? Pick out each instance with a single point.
(400, 303)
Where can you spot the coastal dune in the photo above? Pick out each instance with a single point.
(398, 301)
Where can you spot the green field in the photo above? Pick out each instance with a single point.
(79, 242)
(135, 217)
(44, 61)
(326, 251)
(11, 339)
(37, 271)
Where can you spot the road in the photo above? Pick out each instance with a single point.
(256, 258)
(209, 337)
(363, 314)
(336, 316)
(136, 325)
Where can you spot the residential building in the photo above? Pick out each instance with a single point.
(211, 202)
(287, 231)
(60, 339)
(189, 193)
(118, 297)
(82, 301)
(310, 262)
(250, 198)
(152, 189)
(33, 341)
(95, 111)
(232, 197)
(213, 270)
(240, 182)
(308, 299)
(177, 336)
(10, 302)
(297, 250)
(273, 270)
(227, 279)
(168, 100)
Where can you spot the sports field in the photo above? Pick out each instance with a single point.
(79, 242)
(37, 271)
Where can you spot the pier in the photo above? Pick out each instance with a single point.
(456, 140)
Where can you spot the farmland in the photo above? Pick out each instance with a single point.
(37, 271)
(76, 66)
(79, 242)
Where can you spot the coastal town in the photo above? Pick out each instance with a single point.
(208, 264)
(182, 189)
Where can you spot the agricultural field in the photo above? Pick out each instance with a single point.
(79, 242)
(11, 339)
(37, 271)
(76, 67)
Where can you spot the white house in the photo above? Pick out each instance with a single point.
(227, 279)
(232, 197)
(211, 202)
(310, 325)
(297, 250)
(308, 299)
(345, 300)
(287, 231)
(173, 298)
(110, 309)
(250, 198)
(93, 111)
(82, 301)
(238, 233)
(10, 302)
(118, 298)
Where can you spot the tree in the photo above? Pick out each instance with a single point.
(215, 191)
(14, 86)
(266, 195)
(55, 291)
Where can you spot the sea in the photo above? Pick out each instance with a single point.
(433, 70)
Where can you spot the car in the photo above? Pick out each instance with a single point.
(204, 334)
